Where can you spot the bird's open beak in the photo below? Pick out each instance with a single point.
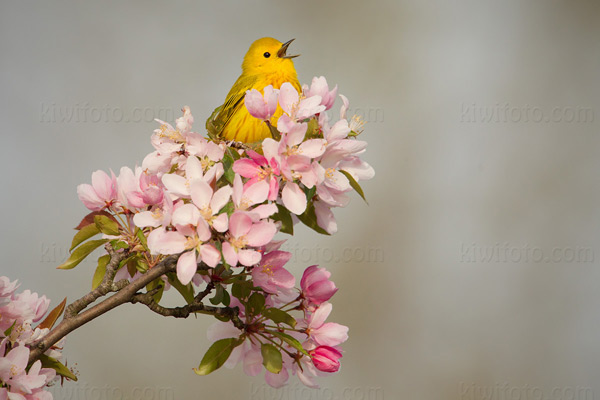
(281, 52)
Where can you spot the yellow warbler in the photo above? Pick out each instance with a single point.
(266, 63)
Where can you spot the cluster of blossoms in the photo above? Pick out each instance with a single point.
(218, 207)
(18, 311)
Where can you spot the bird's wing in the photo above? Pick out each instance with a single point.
(235, 98)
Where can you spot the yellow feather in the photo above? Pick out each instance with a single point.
(258, 71)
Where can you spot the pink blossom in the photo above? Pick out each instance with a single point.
(325, 333)
(326, 358)
(259, 168)
(245, 197)
(270, 274)
(296, 108)
(7, 287)
(244, 233)
(157, 216)
(316, 286)
(319, 87)
(262, 106)
(101, 193)
(13, 374)
(209, 204)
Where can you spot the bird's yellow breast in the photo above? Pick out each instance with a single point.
(242, 126)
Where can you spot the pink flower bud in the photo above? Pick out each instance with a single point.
(316, 286)
(326, 358)
(262, 106)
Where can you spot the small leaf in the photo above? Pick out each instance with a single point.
(271, 358)
(60, 368)
(255, 304)
(100, 271)
(218, 297)
(9, 330)
(143, 240)
(279, 316)
(310, 193)
(84, 234)
(81, 252)
(290, 340)
(313, 130)
(187, 291)
(157, 283)
(355, 185)
(118, 244)
(226, 298)
(106, 225)
(141, 265)
(283, 215)
(216, 355)
(241, 289)
(274, 132)
(89, 219)
(53, 315)
(309, 218)
(214, 127)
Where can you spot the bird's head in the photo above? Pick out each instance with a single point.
(268, 55)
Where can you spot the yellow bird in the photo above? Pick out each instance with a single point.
(266, 63)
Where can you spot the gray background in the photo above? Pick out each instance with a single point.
(431, 316)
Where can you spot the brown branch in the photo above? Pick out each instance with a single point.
(106, 286)
(185, 311)
(124, 294)
(195, 307)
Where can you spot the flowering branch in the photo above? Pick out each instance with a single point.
(201, 215)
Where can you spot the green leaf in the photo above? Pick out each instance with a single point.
(279, 316)
(310, 193)
(229, 208)
(60, 368)
(256, 303)
(157, 283)
(187, 291)
(354, 185)
(143, 240)
(241, 289)
(283, 215)
(274, 132)
(214, 128)
(290, 340)
(118, 244)
(81, 252)
(309, 218)
(141, 265)
(9, 330)
(271, 358)
(216, 355)
(84, 234)
(106, 225)
(100, 271)
(226, 298)
(313, 130)
(218, 297)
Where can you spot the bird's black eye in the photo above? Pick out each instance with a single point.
(267, 54)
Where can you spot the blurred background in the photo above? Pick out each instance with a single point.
(473, 272)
